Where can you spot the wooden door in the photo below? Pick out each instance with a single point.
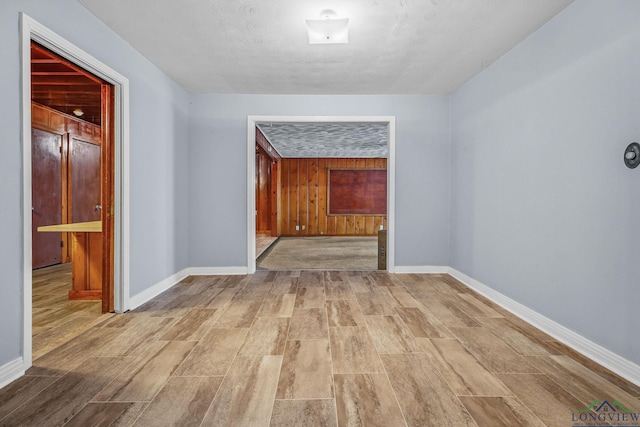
(84, 169)
(46, 194)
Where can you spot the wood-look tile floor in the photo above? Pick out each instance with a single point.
(312, 348)
(56, 319)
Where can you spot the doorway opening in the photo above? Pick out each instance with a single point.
(316, 172)
(71, 144)
(95, 146)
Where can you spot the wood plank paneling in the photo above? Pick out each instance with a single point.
(64, 86)
(312, 181)
(322, 198)
(303, 194)
(283, 197)
(294, 197)
(263, 191)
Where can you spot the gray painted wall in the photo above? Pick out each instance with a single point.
(159, 142)
(544, 209)
(218, 177)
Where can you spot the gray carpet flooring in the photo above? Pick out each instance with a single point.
(321, 253)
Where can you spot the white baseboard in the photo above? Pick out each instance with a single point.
(216, 271)
(155, 290)
(421, 269)
(588, 348)
(11, 371)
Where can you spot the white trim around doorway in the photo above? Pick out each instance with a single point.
(251, 169)
(32, 30)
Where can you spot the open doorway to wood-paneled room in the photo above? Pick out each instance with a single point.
(74, 139)
(331, 195)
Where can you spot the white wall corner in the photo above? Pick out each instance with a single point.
(155, 290)
(11, 371)
(421, 269)
(586, 347)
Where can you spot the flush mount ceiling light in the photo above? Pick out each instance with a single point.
(328, 28)
(78, 112)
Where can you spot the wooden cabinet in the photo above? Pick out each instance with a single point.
(66, 155)
(46, 190)
(87, 266)
(86, 240)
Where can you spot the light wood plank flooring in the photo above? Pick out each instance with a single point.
(312, 348)
(56, 319)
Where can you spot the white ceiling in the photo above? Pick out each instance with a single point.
(261, 46)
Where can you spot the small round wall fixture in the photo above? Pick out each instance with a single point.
(632, 155)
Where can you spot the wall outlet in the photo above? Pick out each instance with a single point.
(297, 228)
(381, 227)
(303, 227)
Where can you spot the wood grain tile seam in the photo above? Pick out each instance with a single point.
(395, 395)
(397, 400)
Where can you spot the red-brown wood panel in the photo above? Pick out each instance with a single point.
(294, 197)
(46, 190)
(273, 201)
(322, 197)
(84, 168)
(368, 225)
(106, 134)
(357, 191)
(341, 225)
(303, 191)
(312, 180)
(87, 266)
(284, 197)
(39, 116)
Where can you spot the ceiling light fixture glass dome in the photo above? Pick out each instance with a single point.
(328, 29)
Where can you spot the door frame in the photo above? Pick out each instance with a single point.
(251, 166)
(32, 30)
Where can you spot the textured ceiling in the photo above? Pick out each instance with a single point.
(327, 139)
(261, 46)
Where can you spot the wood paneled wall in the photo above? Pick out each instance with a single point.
(303, 199)
(264, 195)
(267, 176)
